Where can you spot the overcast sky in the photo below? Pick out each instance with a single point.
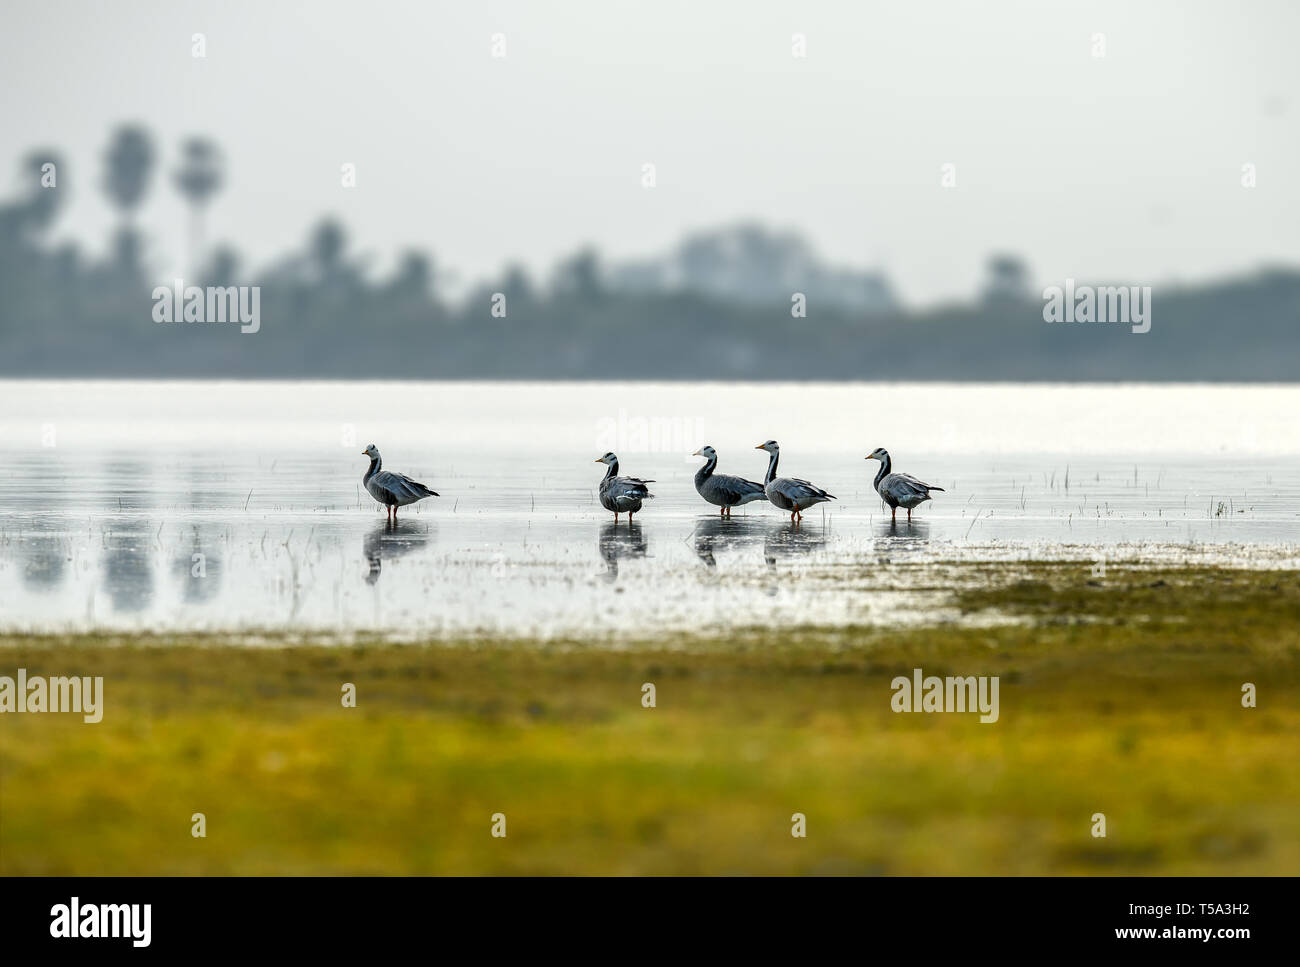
(1126, 167)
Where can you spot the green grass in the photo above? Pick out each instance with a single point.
(1120, 696)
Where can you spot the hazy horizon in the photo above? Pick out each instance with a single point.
(1126, 166)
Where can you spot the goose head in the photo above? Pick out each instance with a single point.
(770, 446)
(371, 451)
(608, 459)
(707, 452)
(880, 453)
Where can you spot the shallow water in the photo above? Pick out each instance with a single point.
(238, 506)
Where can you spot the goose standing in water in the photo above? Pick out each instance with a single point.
(899, 489)
(621, 494)
(721, 489)
(393, 490)
(789, 493)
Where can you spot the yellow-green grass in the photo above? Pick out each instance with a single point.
(1119, 696)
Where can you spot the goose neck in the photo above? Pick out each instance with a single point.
(884, 470)
(771, 467)
(706, 471)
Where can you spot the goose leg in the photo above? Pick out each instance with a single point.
(893, 515)
(615, 517)
(909, 515)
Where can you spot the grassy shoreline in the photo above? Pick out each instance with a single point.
(1119, 695)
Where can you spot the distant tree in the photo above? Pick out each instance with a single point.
(516, 284)
(325, 247)
(36, 206)
(410, 293)
(703, 259)
(414, 276)
(746, 263)
(579, 276)
(129, 163)
(119, 281)
(126, 253)
(1007, 279)
(198, 178)
(43, 203)
(771, 259)
(222, 268)
(335, 287)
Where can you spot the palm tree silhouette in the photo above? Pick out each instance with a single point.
(36, 206)
(129, 163)
(198, 178)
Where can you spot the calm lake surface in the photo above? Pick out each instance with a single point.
(238, 506)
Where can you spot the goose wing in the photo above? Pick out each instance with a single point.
(629, 489)
(918, 483)
(400, 486)
(795, 489)
(733, 489)
(902, 485)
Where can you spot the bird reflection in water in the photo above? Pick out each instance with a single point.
(393, 539)
(714, 534)
(788, 541)
(619, 543)
(900, 535)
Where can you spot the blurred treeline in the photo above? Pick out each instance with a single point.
(717, 307)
